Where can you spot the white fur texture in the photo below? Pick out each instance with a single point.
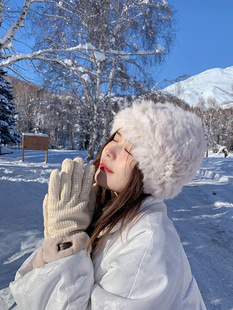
(168, 144)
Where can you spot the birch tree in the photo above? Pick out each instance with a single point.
(103, 47)
(94, 49)
(11, 22)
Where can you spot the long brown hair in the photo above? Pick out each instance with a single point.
(112, 209)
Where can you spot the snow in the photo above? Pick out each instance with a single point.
(4, 150)
(86, 77)
(99, 56)
(159, 49)
(214, 83)
(3, 123)
(68, 62)
(202, 214)
(35, 134)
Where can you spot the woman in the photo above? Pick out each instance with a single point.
(133, 258)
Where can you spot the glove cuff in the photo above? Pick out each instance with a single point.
(37, 260)
(54, 249)
(60, 247)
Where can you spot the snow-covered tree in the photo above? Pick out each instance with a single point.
(13, 19)
(11, 22)
(94, 49)
(217, 123)
(98, 48)
(25, 94)
(40, 111)
(7, 112)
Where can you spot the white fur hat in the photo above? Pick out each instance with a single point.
(168, 143)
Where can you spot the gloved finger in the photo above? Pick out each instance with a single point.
(53, 190)
(77, 176)
(65, 180)
(45, 215)
(87, 181)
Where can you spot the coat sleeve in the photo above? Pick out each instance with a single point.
(60, 285)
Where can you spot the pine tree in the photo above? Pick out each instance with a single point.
(7, 112)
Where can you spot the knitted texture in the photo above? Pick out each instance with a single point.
(70, 202)
(168, 143)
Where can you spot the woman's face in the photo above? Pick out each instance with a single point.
(116, 164)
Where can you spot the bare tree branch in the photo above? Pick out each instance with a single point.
(8, 37)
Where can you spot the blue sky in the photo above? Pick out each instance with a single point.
(204, 37)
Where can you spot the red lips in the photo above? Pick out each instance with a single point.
(105, 168)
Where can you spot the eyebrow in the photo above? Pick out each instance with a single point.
(118, 133)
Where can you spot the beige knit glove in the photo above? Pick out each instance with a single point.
(68, 209)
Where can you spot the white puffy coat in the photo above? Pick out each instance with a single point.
(143, 268)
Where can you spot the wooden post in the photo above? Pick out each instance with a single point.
(46, 156)
(207, 145)
(23, 149)
(32, 142)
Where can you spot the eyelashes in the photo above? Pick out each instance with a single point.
(128, 152)
(116, 141)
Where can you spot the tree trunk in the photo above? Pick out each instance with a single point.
(94, 133)
(107, 120)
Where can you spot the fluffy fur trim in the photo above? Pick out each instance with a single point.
(168, 143)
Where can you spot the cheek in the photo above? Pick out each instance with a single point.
(131, 165)
(128, 169)
(124, 177)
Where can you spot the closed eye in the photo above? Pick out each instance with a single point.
(128, 152)
(116, 137)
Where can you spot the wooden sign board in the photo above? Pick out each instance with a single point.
(33, 142)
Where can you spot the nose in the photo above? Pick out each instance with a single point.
(111, 151)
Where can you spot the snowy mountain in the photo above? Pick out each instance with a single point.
(214, 84)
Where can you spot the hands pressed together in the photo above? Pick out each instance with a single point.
(68, 209)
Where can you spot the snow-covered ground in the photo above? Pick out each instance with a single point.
(202, 214)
